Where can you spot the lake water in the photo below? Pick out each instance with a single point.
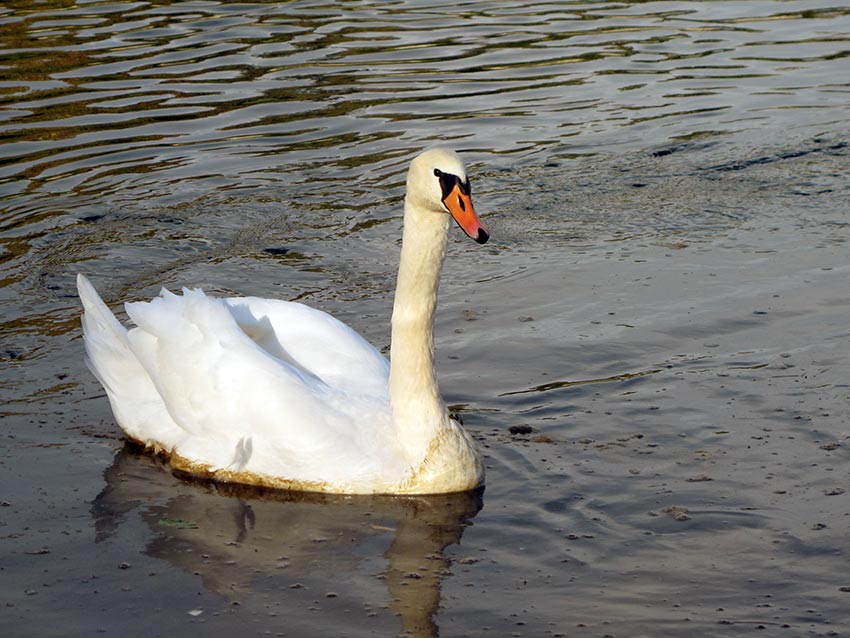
(652, 351)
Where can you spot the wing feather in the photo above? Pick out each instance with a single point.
(315, 342)
(267, 405)
(265, 386)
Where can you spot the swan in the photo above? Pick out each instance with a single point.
(277, 394)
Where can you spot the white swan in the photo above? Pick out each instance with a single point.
(277, 394)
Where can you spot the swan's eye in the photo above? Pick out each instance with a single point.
(447, 182)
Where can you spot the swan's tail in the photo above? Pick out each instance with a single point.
(137, 406)
(105, 338)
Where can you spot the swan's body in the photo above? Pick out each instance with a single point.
(278, 394)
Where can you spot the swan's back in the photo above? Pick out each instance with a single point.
(313, 341)
(247, 385)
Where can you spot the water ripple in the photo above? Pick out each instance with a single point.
(180, 83)
(656, 372)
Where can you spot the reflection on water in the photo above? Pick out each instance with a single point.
(117, 101)
(231, 536)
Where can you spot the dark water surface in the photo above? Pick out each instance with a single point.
(662, 316)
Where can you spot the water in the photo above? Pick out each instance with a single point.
(664, 303)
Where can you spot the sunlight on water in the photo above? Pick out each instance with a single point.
(129, 100)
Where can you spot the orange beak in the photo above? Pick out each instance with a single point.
(460, 206)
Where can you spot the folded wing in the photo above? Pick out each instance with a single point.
(249, 384)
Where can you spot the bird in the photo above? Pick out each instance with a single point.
(280, 395)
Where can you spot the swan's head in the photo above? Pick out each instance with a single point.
(437, 182)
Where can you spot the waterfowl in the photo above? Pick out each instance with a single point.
(278, 394)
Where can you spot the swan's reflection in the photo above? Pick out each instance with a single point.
(231, 535)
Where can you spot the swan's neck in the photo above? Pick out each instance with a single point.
(418, 410)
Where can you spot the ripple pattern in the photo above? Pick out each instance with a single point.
(137, 100)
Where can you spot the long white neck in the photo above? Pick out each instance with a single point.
(418, 410)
